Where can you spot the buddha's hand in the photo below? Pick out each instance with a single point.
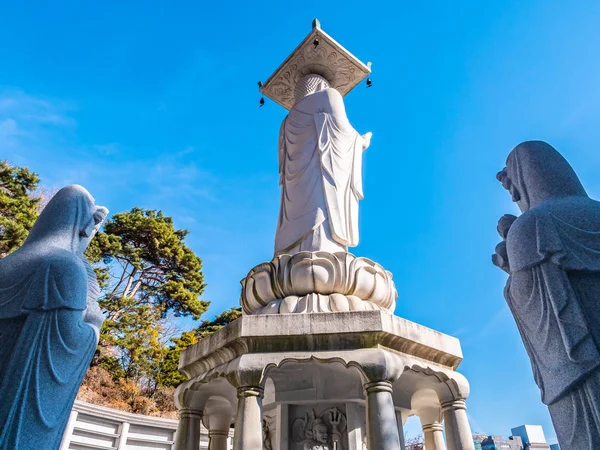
(500, 257)
(367, 140)
(504, 224)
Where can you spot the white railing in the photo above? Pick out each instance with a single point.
(96, 427)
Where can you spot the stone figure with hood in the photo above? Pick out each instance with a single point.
(49, 322)
(552, 254)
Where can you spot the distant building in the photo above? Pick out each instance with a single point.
(499, 443)
(478, 439)
(525, 437)
(532, 436)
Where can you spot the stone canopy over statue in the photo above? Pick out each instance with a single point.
(320, 169)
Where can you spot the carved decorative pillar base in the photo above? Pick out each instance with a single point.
(434, 436)
(217, 439)
(188, 430)
(382, 429)
(248, 424)
(458, 430)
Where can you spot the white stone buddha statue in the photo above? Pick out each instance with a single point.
(320, 166)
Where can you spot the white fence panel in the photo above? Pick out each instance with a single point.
(92, 427)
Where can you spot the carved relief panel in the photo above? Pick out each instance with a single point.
(318, 428)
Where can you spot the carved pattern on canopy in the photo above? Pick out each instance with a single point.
(328, 59)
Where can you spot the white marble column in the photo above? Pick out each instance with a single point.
(355, 422)
(400, 421)
(434, 436)
(248, 424)
(188, 430)
(458, 430)
(281, 427)
(218, 416)
(382, 429)
(217, 439)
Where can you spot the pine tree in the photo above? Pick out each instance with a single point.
(19, 205)
(169, 375)
(147, 272)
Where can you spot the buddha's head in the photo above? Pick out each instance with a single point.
(309, 84)
(69, 221)
(535, 173)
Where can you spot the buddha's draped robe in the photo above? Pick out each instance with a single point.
(320, 165)
(43, 361)
(45, 344)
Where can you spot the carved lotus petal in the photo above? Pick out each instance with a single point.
(262, 285)
(288, 304)
(258, 286)
(339, 303)
(310, 275)
(317, 282)
(323, 302)
(365, 282)
(301, 276)
(302, 305)
(369, 306)
(249, 302)
(356, 303)
(271, 308)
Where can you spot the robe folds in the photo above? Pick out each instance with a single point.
(47, 348)
(320, 166)
(554, 295)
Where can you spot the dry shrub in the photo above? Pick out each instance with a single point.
(165, 402)
(99, 388)
(142, 405)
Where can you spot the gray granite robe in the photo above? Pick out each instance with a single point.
(554, 288)
(45, 344)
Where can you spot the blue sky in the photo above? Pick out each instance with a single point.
(155, 105)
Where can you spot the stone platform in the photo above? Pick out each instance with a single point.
(323, 380)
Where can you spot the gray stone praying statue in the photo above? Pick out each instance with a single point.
(552, 254)
(49, 322)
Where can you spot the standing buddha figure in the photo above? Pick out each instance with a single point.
(320, 167)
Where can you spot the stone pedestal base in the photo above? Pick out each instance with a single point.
(326, 380)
